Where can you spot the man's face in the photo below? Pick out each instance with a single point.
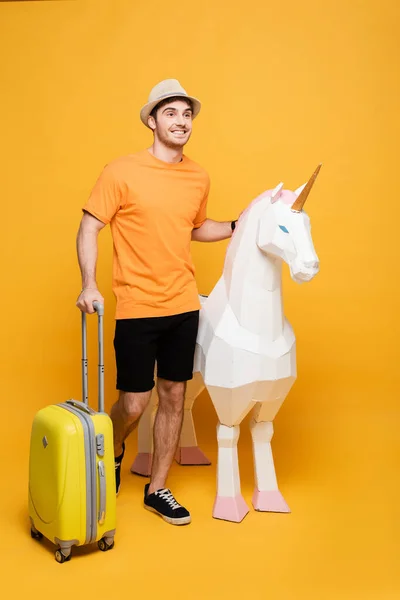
(172, 125)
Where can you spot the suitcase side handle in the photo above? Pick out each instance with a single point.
(99, 308)
(102, 489)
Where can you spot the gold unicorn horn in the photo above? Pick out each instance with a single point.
(298, 204)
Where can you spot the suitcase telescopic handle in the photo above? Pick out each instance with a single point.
(99, 308)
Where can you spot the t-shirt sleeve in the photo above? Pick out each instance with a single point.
(202, 214)
(106, 197)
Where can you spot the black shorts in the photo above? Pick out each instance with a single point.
(140, 343)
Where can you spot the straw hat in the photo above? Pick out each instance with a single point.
(166, 89)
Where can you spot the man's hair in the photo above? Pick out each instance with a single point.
(168, 101)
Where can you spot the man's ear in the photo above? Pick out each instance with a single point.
(151, 122)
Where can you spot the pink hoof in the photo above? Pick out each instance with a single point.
(142, 464)
(230, 509)
(271, 501)
(191, 456)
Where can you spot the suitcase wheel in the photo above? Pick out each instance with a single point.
(61, 558)
(104, 546)
(36, 535)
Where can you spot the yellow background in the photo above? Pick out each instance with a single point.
(284, 86)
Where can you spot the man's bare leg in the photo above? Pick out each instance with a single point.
(125, 415)
(167, 429)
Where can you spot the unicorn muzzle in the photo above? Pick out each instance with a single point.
(304, 271)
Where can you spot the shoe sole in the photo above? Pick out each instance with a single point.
(170, 520)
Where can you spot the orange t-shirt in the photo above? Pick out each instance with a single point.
(152, 207)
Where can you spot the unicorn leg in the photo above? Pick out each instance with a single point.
(144, 458)
(229, 503)
(266, 495)
(232, 406)
(188, 452)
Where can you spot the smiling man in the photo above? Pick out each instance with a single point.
(156, 203)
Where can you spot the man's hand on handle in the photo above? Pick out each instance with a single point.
(86, 299)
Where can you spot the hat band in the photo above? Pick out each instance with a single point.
(171, 94)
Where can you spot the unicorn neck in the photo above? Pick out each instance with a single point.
(256, 299)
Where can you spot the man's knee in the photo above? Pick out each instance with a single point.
(133, 404)
(171, 394)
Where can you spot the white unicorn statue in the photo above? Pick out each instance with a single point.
(246, 352)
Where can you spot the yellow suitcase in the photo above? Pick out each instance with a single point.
(72, 496)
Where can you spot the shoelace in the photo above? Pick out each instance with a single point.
(168, 497)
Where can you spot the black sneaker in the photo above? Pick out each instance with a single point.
(164, 504)
(118, 461)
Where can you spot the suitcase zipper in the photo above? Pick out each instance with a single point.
(91, 475)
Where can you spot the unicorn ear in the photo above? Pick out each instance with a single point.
(276, 193)
(299, 190)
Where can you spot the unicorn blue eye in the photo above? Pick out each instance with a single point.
(283, 228)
